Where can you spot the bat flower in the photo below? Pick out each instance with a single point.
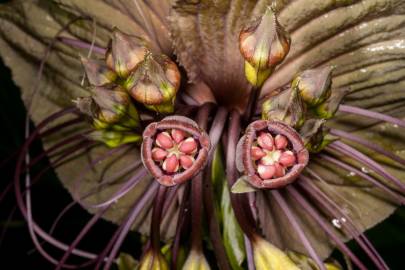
(257, 134)
(174, 149)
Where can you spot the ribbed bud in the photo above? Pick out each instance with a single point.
(126, 52)
(110, 108)
(327, 109)
(267, 256)
(196, 261)
(97, 72)
(154, 83)
(174, 149)
(314, 85)
(152, 260)
(271, 154)
(114, 138)
(286, 107)
(264, 44)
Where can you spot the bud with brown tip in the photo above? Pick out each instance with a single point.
(126, 52)
(264, 44)
(314, 85)
(155, 82)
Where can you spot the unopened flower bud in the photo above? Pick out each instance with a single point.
(126, 52)
(154, 83)
(256, 76)
(97, 73)
(327, 109)
(305, 262)
(266, 167)
(286, 107)
(264, 43)
(114, 138)
(314, 85)
(153, 260)
(267, 256)
(196, 261)
(174, 149)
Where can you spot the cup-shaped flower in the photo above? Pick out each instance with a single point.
(314, 85)
(267, 256)
(271, 154)
(174, 149)
(153, 260)
(154, 83)
(285, 106)
(125, 53)
(264, 44)
(196, 261)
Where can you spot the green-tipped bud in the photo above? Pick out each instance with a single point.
(264, 44)
(110, 108)
(304, 262)
(314, 85)
(126, 52)
(285, 106)
(155, 82)
(268, 257)
(328, 109)
(153, 261)
(114, 138)
(97, 73)
(196, 261)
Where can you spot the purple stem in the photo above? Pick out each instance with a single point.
(367, 177)
(294, 222)
(371, 114)
(123, 190)
(81, 44)
(335, 210)
(157, 217)
(368, 144)
(217, 129)
(314, 214)
(139, 206)
(183, 217)
(353, 153)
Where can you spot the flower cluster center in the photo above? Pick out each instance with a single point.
(174, 150)
(272, 156)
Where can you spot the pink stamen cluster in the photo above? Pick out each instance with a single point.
(174, 150)
(272, 155)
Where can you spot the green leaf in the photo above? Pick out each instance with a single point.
(242, 186)
(232, 233)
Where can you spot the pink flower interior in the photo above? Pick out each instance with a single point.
(272, 155)
(174, 150)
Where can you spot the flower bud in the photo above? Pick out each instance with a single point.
(256, 76)
(97, 73)
(174, 149)
(196, 261)
(126, 52)
(114, 138)
(327, 109)
(267, 256)
(264, 43)
(154, 83)
(266, 167)
(286, 107)
(152, 260)
(314, 85)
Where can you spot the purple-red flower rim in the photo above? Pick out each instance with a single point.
(274, 127)
(184, 124)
